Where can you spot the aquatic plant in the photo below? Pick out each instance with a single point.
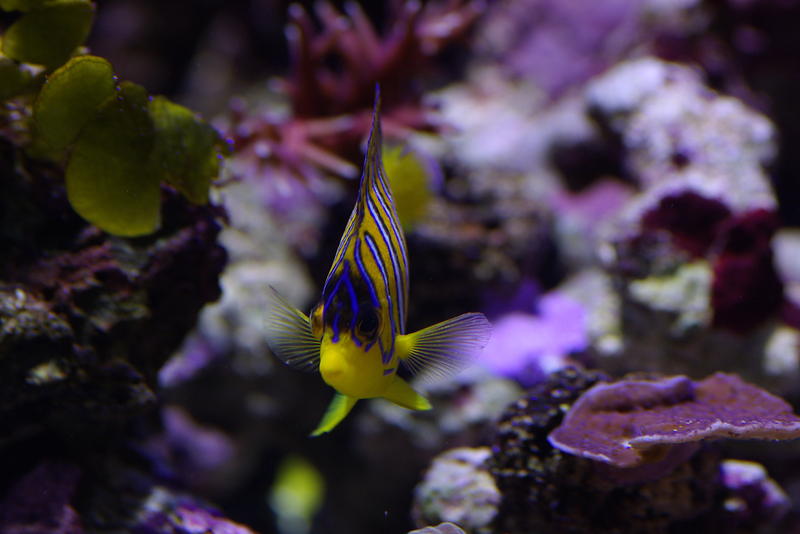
(48, 32)
(89, 317)
(117, 144)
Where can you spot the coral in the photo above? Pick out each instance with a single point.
(292, 154)
(752, 498)
(458, 488)
(528, 347)
(691, 219)
(116, 143)
(95, 315)
(746, 289)
(684, 294)
(122, 496)
(629, 422)
(46, 34)
(176, 514)
(547, 490)
(558, 46)
(679, 137)
(415, 33)
(468, 405)
(442, 528)
(499, 246)
(197, 452)
(41, 501)
(690, 254)
(583, 217)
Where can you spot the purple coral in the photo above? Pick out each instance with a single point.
(547, 490)
(528, 347)
(752, 497)
(185, 516)
(40, 502)
(626, 422)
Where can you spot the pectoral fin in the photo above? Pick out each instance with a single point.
(444, 348)
(399, 392)
(337, 410)
(288, 332)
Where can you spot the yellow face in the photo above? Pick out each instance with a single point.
(345, 366)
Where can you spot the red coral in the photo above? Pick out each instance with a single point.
(331, 107)
(692, 219)
(331, 88)
(395, 60)
(746, 288)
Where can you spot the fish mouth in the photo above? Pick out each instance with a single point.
(331, 372)
(332, 368)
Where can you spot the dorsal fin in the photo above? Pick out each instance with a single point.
(372, 157)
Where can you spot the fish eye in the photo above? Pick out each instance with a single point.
(367, 325)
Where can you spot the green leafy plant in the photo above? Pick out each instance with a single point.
(117, 143)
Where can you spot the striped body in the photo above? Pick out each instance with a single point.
(355, 336)
(365, 298)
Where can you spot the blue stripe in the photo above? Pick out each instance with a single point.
(376, 255)
(332, 294)
(390, 213)
(402, 288)
(340, 254)
(370, 285)
(335, 327)
(393, 257)
(353, 303)
(364, 274)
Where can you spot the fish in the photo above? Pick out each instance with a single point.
(355, 336)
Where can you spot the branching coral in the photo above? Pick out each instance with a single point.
(330, 91)
(417, 31)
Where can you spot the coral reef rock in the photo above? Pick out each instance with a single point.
(458, 488)
(546, 490)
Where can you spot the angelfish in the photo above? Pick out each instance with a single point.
(356, 335)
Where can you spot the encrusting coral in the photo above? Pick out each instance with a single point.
(547, 490)
(580, 455)
(629, 422)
